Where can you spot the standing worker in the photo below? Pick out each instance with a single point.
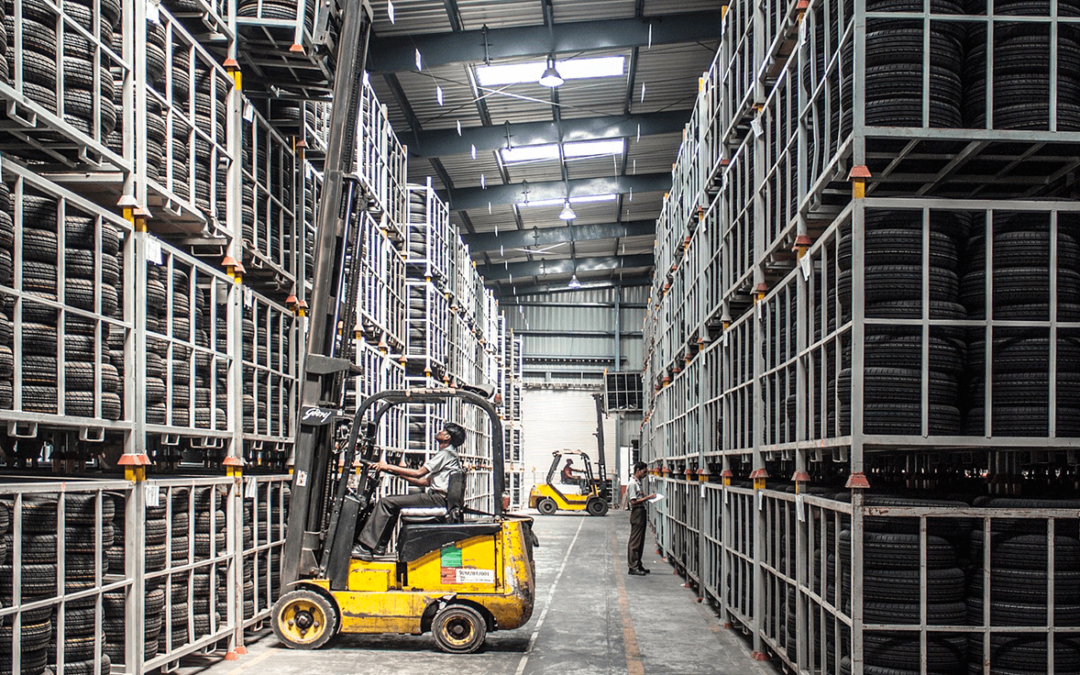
(635, 499)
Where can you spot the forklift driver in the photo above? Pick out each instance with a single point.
(568, 474)
(433, 476)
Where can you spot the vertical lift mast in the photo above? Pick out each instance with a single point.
(329, 357)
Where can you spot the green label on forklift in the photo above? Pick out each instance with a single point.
(450, 556)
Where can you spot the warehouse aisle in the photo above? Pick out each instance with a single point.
(590, 618)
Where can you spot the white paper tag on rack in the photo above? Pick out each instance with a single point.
(153, 11)
(250, 488)
(725, 496)
(757, 309)
(726, 338)
(800, 508)
(390, 11)
(755, 124)
(803, 33)
(804, 265)
(760, 499)
(153, 251)
(703, 490)
(153, 495)
(249, 297)
(249, 111)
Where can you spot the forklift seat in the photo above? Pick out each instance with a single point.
(431, 515)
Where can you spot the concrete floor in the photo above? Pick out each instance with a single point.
(590, 618)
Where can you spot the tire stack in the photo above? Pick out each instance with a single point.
(1018, 591)
(894, 66)
(892, 288)
(210, 111)
(39, 573)
(1021, 357)
(7, 276)
(207, 532)
(40, 250)
(263, 532)
(114, 602)
(204, 360)
(1021, 77)
(41, 52)
(892, 589)
(280, 10)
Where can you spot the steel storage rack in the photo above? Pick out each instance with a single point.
(884, 292)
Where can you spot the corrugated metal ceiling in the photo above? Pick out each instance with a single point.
(668, 71)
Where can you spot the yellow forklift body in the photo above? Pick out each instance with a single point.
(564, 501)
(493, 572)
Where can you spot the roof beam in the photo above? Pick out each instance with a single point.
(508, 290)
(447, 141)
(398, 53)
(462, 199)
(544, 267)
(489, 241)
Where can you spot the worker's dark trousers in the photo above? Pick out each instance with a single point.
(380, 525)
(637, 537)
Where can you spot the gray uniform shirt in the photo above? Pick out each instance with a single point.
(634, 491)
(440, 466)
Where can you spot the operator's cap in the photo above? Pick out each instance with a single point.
(457, 433)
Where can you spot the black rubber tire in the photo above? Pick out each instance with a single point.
(900, 282)
(945, 652)
(888, 385)
(899, 551)
(943, 585)
(945, 614)
(1020, 614)
(903, 419)
(1028, 585)
(1025, 551)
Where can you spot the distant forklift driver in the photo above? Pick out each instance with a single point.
(433, 476)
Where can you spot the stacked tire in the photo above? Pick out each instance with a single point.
(892, 289)
(7, 303)
(892, 589)
(1021, 76)
(41, 52)
(211, 92)
(39, 581)
(1019, 557)
(894, 66)
(114, 602)
(90, 269)
(1021, 357)
(211, 367)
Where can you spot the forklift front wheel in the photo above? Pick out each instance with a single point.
(597, 507)
(459, 629)
(304, 619)
(546, 506)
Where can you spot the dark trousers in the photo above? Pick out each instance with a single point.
(380, 524)
(637, 537)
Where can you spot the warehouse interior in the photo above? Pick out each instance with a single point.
(815, 263)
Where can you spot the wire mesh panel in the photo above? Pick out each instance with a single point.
(188, 380)
(269, 225)
(381, 162)
(62, 103)
(64, 327)
(271, 337)
(739, 528)
(739, 223)
(430, 237)
(59, 588)
(266, 505)
(186, 154)
(268, 32)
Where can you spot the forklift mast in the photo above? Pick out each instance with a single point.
(601, 465)
(329, 358)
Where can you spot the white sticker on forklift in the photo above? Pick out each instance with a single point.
(466, 575)
(301, 478)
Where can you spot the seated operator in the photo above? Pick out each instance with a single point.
(433, 476)
(568, 472)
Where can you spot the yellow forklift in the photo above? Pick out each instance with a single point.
(548, 497)
(457, 579)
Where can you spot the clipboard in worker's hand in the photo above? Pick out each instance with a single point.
(655, 499)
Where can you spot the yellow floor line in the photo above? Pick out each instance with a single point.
(634, 666)
(261, 657)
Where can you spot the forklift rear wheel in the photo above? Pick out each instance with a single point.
(546, 506)
(304, 620)
(597, 507)
(459, 629)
